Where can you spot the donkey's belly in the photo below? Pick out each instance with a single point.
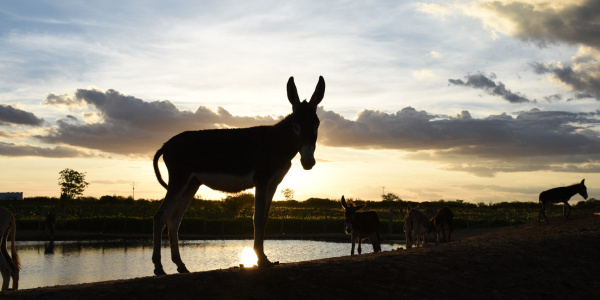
(226, 182)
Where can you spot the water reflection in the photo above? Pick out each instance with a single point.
(60, 263)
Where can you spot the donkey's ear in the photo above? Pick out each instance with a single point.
(582, 181)
(318, 94)
(344, 205)
(360, 206)
(292, 92)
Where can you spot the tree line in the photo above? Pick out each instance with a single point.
(233, 214)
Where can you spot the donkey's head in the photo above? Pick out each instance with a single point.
(583, 190)
(305, 122)
(350, 214)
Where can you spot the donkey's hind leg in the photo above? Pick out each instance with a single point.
(161, 217)
(174, 221)
(566, 210)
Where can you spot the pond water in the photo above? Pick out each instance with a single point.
(92, 261)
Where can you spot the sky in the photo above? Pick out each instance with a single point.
(482, 101)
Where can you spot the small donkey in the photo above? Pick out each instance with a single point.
(561, 194)
(362, 225)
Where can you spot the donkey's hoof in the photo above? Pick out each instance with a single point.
(182, 270)
(266, 263)
(159, 272)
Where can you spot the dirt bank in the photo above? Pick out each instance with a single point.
(559, 260)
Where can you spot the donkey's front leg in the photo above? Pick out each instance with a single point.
(260, 222)
(566, 210)
(265, 189)
(359, 243)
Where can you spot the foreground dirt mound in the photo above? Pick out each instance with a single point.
(559, 260)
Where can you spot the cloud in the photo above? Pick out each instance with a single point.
(582, 76)
(65, 99)
(542, 22)
(423, 74)
(10, 115)
(526, 141)
(533, 140)
(554, 22)
(128, 125)
(480, 81)
(14, 150)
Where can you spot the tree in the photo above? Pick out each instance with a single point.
(72, 183)
(390, 197)
(238, 204)
(288, 194)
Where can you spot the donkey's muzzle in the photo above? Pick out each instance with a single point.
(307, 164)
(307, 157)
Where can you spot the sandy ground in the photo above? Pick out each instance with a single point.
(555, 261)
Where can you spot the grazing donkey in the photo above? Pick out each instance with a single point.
(361, 225)
(9, 267)
(415, 224)
(233, 160)
(561, 194)
(442, 220)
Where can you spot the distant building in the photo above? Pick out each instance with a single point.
(11, 196)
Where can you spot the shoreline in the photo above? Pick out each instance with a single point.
(503, 263)
(42, 236)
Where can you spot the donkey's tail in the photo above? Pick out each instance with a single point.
(158, 154)
(13, 249)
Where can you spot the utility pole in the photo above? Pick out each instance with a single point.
(133, 185)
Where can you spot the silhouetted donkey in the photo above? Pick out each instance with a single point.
(361, 225)
(50, 225)
(561, 194)
(233, 160)
(9, 267)
(416, 225)
(442, 220)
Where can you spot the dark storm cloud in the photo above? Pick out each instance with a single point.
(586, 81)
(480, 81)
(10, 115)
(132, 126)
(528, 141)
(534, 140)
(575, 23)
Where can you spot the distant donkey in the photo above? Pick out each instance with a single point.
(442, 220)
(361, 225)
(9, 267)
(416, 225)
(233, 160)
(561, 194)
(50, 225)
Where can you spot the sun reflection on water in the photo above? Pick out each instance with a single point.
(248, 257)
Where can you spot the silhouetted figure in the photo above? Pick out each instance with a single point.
(561, 194)
(9, 266)
(233, 160)
(361, 225)
(50, 224)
